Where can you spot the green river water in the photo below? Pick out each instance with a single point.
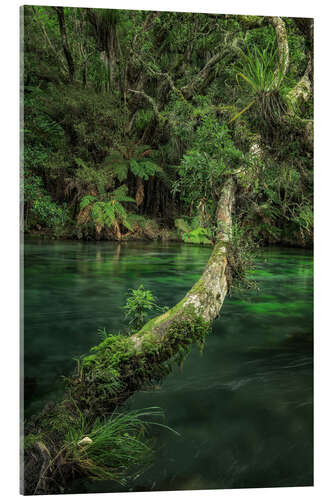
(244, 408)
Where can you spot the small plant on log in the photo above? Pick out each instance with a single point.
(139, 303)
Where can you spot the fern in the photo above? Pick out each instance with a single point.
(117, 164)
(107, 211)
(122, 215)
(199, 236)
(120, 194)
(133, 157)
(80, 163)
(193, 232)
(144, 168)
(97, 213)
(120, 170)
(143, 118)
(87, 200)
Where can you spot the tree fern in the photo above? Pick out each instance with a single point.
(122, 215)
(133, 158)
(144, 168)
(106, 211)
(98, 213)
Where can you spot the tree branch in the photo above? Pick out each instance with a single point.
(282, 41)
(150, 100)
(189, 89)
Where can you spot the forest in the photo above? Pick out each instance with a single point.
(162, 127)
(133, 120)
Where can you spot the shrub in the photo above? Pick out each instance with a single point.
(39, 208)
(192, 232)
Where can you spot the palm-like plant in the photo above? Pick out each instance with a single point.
(137, 159)
(261, 71)
(106, 210)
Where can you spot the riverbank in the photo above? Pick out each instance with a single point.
(152, 230)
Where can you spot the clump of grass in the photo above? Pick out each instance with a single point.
(117, 448)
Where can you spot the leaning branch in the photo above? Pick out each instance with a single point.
(302, 90)
(200, 78)
(206, 297)
(150, 99)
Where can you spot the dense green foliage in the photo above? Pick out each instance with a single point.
(134, 119)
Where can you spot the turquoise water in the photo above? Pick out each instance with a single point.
(244, 408)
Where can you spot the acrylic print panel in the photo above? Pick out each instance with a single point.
(168, 268)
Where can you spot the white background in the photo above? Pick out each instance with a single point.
(9, 234)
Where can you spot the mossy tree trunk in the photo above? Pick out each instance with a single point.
(127, 363)
(282, 41)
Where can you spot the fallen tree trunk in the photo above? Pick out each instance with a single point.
(127, 363)
(207, 295)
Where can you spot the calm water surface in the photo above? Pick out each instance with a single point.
(243, 409)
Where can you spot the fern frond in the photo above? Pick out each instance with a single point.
(97, 213)
(144, 168)
(86, 200)
(120, 194)
(80, 163)
(109, 214)
(120, 170)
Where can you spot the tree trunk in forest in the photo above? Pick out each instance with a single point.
(118, 232)
(302, 91)
(110, 61)
(65, 45)
(106, 37)
(149, 349)
(140, 193)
